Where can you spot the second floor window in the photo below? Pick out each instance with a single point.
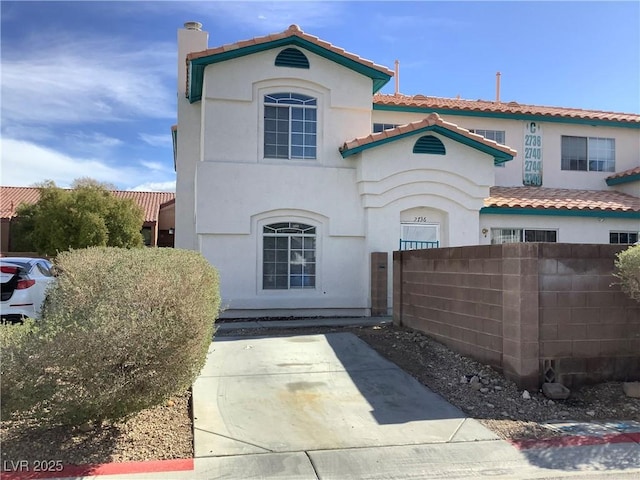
(495, 135)
(290, 126)
(588, 154)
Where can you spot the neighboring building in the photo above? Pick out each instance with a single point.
(292, 170)
(159, 213)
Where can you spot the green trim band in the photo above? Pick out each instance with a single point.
(626, 179)
(196, 70)
(498, 155)
(511, 116)
(557, 212)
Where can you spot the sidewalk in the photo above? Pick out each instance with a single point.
(327, 406)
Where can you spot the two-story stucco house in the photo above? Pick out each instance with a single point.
(292, 169)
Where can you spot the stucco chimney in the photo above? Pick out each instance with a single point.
(497, 87)
(191, 38)
(397, 75)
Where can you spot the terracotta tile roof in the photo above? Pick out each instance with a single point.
(501, 107)
(562, 199)
(293, 30)
(432, 120)
(625, 173)
(11, 197)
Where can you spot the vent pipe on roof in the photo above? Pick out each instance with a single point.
(193, 26)
(397, 75)
(498, 87)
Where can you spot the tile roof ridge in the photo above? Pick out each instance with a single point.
(512, 103)
(430, 120)
(291, 31)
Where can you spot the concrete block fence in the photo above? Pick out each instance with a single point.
(535, 311)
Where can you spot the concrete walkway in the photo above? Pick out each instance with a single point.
(327, 406)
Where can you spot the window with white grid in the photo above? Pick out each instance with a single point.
(290, 126)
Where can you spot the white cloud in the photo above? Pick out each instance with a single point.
(53, 81)
(156, 166)
(25, 163)
(93, 140)
(160, 140)
(155, 187)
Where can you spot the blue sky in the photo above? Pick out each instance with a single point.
(89, 88)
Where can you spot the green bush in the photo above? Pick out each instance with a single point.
(122, 330)
(628, 271)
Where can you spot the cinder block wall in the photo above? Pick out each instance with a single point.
(529, 309)
(589, 329)
(454, 295)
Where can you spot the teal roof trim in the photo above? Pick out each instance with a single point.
(197, 65)
(498, 155)
(511, 116)
(558, 212)
(625, 179)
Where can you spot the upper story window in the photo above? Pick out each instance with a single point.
(379, 127)
(593, 154)
(290, 126)
(288, 256)
(429, 144)
(292, 57)
(497, 136)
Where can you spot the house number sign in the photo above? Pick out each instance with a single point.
(532, 164)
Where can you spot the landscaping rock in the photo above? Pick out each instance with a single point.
(555, 391)
(631, 389)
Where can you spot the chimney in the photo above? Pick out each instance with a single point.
(497, 87)
(191, 38)
(397, 75)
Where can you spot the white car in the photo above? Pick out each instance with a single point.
(24, 286)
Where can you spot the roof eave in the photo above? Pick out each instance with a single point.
(493, 210)
(625, 179)
(197, 65)
(506, 115)
(499, 156)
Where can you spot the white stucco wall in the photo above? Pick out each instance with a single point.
(627, 145)
(570, 229)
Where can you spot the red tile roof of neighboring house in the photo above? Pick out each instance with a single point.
(501, 107)
(432, 120)
(625, 173)
(561, 199)
(12, 197)
(293, 30)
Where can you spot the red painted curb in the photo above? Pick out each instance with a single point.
(577, 441)
(24, 470)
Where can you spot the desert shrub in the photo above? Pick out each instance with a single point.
(628, 271)
(121, 331)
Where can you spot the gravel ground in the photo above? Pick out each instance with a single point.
(165, 432)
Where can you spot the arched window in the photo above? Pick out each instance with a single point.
(290, 124)
(429, 144)
(288, 256)
(292, 57)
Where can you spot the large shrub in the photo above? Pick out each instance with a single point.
(628, 271)
(122, 330)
